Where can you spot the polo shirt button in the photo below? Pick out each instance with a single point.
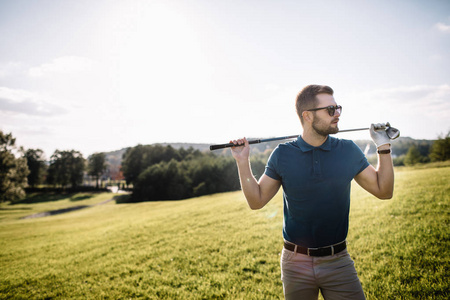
(316, 162)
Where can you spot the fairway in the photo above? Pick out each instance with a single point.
(215, 247)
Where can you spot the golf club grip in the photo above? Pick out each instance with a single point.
(221, 146)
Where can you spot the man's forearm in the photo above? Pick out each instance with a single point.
(385, 173)
(249, 185)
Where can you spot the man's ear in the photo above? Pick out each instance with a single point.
(307, 116)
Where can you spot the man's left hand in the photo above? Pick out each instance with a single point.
(379, 136)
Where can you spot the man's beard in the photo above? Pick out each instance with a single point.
(319, 128)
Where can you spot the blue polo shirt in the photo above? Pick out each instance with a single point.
(316, 188)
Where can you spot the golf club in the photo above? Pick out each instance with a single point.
(391, 132)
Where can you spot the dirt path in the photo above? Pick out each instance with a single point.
(65, 210)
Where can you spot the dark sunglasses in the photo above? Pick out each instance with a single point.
(331, 109)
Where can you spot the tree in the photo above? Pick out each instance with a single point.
(139, 158)
(132, 163)
(440, 150)
(96, 165)
(13, 171)
(164, 173)
(36, 165)
(66, 167)
(413, 156)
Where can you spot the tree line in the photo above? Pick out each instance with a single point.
(159, 172)
(20, 168)
(155, 172)
(438, 151)
(164, 173)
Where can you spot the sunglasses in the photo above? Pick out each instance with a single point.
(331, 109)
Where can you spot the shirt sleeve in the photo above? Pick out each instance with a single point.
(360, 159)
(272, 165)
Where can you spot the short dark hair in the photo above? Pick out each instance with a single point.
(306, 99)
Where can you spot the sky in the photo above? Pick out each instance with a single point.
(98, 76)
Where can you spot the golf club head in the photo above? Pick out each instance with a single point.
(392, 133)
(381, 126)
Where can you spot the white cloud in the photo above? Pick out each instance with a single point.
(429, 100)
(419, 111)
(28, 103)
(62, 65)
(442, 27)
(10, 68)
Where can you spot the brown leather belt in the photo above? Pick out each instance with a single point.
(323, 251)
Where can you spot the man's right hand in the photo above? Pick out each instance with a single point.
(240, 153)
(256, 193)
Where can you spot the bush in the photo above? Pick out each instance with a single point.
(399, 161)
(188, 173)
(440, 150)
(413, 157)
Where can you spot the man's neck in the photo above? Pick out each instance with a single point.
(313, 138)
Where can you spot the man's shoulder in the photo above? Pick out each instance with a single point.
(344, 145)
(283, 149)
(341, 142)
(291, 145)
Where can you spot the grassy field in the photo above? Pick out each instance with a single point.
(215, 247)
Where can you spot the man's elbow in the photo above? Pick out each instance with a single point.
(385, 196)
(255, 206)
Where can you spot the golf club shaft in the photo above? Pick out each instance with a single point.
(220, 146)
(356, 129)
(228, 145)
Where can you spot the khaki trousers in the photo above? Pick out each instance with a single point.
(335, 276)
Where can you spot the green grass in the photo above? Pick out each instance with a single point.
(215, 247)
(401, 246)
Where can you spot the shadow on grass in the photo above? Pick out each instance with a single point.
(128, 199)
(67, 209)
(122, 199)
(55, 212)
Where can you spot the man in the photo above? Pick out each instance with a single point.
(316, 171)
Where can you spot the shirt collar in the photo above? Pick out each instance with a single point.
(305, 147)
